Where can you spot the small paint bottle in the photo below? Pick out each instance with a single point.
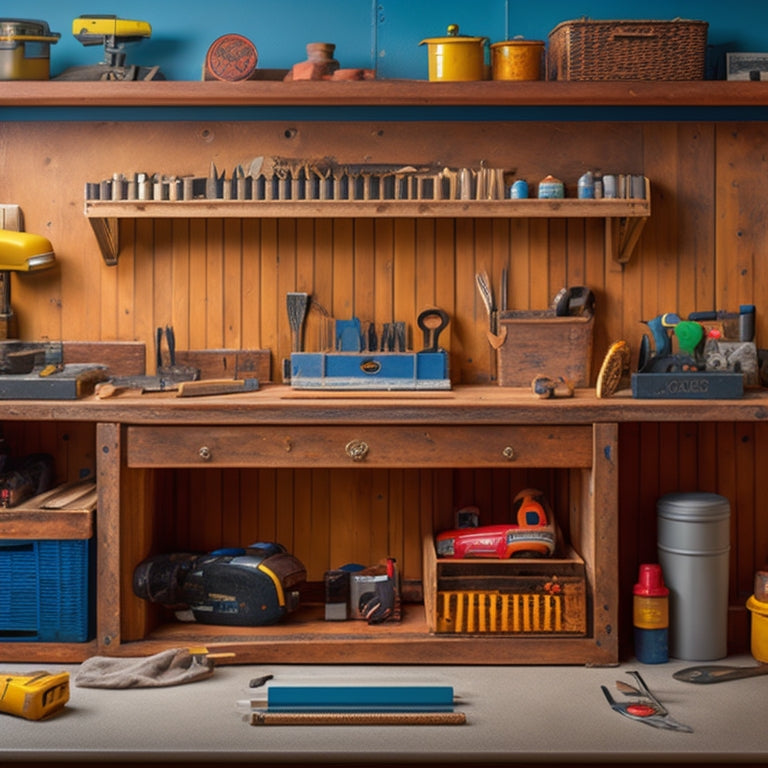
(551, 188)
(586, 186)
(519, 189)
(650, 614)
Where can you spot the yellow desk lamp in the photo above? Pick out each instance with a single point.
(19, 252)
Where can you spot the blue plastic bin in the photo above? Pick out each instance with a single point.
(45, 588)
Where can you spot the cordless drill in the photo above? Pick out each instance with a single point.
(35, 695)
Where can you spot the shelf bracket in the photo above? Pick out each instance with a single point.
(621, 236)
(107, 230)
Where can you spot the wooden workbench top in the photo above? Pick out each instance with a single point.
(279, 404)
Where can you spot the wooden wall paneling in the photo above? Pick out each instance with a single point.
(137, 526)
(285, 531)
(211, 307)
(341, 264)
(308, 235)
(381, 542)
(118, 293)
(362, 249)
(409, 559)
(317, 279)
(384, 266)
(301, 517)
(161, 266)
(230, 331)
(557, 259)
(538, 264)
(315, 544)
(142, 282)
(660, 270)
(741, 228)
(743, 512)
(470, 312)
(406, 273)
(265, 504)
(399, 506)
(425, 289)
(251, 287)
(696, 223)
(687, 442)
(519, 264)
(179, 258)
(230, 509)
(759, 520)
(274, 319)
(446, 288)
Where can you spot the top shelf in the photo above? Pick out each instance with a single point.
(406, 93)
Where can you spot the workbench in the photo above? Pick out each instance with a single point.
(139, 439)
(515, 716)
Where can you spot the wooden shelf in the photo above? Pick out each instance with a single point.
(624, 218)
(384, 93)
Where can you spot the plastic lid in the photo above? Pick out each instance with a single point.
(650, 581)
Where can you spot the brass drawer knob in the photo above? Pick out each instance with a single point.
(357, 450)
(509, 453)
(204, 453)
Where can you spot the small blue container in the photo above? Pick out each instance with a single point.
(519, 189)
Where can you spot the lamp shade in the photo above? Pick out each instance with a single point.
(24, 251)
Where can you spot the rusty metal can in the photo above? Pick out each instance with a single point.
(517, 59)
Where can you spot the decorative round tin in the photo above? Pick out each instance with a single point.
(232, 57)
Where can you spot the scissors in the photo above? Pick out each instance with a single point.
(646, 708)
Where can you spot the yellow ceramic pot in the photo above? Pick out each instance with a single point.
(456, 57)
(517, 59)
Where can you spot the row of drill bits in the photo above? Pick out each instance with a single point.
(304, 180)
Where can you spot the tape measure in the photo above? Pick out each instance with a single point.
(232, 57)
(35, 695)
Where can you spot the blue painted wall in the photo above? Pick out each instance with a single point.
(384, 34)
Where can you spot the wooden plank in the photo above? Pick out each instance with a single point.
(122, 358)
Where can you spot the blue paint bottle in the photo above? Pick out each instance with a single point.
(650, 613)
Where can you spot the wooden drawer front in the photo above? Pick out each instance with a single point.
(347, 446)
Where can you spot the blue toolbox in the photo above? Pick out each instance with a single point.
(365, 362)
(47, 567)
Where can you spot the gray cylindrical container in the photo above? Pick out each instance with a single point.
(693, 550)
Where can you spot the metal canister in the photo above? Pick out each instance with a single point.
(517, 59)
(25, 49)
(693, 549)
(456, 57)
(551, 188)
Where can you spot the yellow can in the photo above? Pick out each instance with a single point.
(25, 49)
(456, 57)
(759, 634)
(517, 59)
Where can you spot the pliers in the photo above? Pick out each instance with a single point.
(646, 708)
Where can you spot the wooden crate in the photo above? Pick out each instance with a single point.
(544, 346)
(545, 596)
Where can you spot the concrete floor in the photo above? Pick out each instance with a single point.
(515, 715)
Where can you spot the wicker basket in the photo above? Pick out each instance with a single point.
(627, 50)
